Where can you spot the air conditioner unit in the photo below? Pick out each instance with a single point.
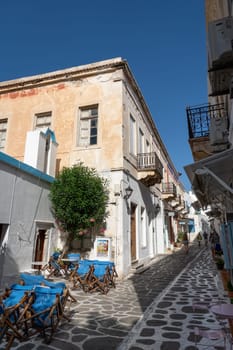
(218, 131)
(220, 41)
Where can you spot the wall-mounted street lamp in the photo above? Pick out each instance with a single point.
(128, 192)
(157, 208)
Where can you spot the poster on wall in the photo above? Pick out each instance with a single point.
(103, 248)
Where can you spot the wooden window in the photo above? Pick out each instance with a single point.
(43, 120)
(3, 130)
(88, 129)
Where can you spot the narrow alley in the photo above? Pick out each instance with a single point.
(152, 310)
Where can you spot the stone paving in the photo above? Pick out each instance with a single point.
(152, 310)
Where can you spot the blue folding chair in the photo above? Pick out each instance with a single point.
(31, 280)
(81, 275)
(46, 311)
(99, 279)
(13, 309)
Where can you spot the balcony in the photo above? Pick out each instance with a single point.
(150, 168)
(176, 202)
(168, 190)
(182, 207)
(207, 127)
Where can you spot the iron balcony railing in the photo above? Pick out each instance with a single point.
(198, 118)
(169, 188)
(149, 161)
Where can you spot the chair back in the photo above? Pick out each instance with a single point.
(54, 284)
(45, 297)
(31, 279)
(100, 270)
(14, 298)
(83, 267)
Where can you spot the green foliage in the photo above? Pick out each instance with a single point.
(79, 199)
(180, 237)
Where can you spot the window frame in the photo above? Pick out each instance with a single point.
(45, 125)
(132, 136)
(88, 132)
(3, 131)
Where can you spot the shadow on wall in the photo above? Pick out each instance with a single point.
(8, 268)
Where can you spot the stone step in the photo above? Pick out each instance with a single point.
(138, 269)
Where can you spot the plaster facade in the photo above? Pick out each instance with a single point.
(126, 149)
(24, 215)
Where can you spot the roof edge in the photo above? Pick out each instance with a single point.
(5, 158)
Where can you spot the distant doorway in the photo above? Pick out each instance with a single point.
(39, 246)
(133, 231)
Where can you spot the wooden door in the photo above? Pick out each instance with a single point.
(39, 251)
(133, 231)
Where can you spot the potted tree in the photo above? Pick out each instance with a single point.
(79, 198)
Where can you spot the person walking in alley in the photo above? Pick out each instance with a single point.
(186, 242)
(214, 240)
(199, 239)
(205, 236)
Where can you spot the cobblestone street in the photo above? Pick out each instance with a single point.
(152, 310)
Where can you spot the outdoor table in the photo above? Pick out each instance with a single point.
(70, 260)
(223, 310)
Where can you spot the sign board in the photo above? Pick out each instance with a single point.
(103, 248)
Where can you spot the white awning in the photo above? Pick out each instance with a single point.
(212, 178)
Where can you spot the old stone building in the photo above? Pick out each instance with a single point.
(100, 118)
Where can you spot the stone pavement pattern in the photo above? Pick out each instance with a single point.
(152, 310)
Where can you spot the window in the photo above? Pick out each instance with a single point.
(3, 130)
(43, 120)
(141, 142)
(88, 126)
(143, 227)
(147, 146)
(132, 145)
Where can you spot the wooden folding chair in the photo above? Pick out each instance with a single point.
(13, 308)
(99, 278)
(31, 280)
(81, 275)
(55, 266)
(112, 274)
(110, 270)
(38, 280)
(45, 312)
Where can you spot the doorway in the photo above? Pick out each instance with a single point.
(39, 246)
(133, 231)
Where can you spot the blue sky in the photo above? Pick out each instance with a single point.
(163, 41)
